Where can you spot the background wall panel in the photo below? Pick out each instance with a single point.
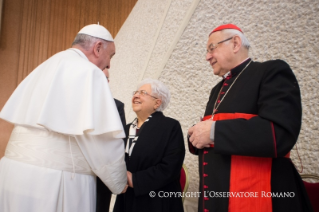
(34, 30)
(9, 58)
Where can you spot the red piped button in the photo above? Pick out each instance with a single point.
(222, 93)
(206, 198)
(205, 186)
(205, 175)
(218, 101)
(205, 163)
(205, 210)
(225, 84)
(205, 152)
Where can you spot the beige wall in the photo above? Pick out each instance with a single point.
(167, 40)
(32, 31)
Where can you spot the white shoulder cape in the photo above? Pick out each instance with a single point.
(66, 94)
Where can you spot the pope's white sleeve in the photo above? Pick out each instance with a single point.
(105, 155)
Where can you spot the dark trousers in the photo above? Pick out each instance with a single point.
(103, 196)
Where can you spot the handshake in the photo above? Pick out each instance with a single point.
(129, 182)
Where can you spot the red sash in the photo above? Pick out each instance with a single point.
(250, 175)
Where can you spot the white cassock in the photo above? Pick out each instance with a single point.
(67, 131)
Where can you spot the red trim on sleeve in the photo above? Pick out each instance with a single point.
(274, 136)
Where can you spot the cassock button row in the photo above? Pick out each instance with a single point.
(205, 175)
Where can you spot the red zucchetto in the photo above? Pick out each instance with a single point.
(226, 26)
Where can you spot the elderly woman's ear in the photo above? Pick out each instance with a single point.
(158, 103)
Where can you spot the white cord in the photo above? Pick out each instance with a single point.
(73, 174)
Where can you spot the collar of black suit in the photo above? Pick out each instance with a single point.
(239, 68)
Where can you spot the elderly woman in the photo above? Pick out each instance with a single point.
(154, 154)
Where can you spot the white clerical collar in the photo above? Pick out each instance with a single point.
(79, 52)
(228, 73)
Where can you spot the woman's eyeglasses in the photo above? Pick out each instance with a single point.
(143, 93)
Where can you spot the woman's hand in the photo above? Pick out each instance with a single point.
(129, 179)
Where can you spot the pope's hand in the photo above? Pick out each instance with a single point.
(129, 179)
(199, 134)
(124, 190)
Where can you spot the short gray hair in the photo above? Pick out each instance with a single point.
(160, 90)
(87, 41)
(232, 32)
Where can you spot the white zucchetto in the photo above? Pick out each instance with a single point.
(97, 31)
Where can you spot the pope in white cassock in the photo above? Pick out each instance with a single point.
(67, 131)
